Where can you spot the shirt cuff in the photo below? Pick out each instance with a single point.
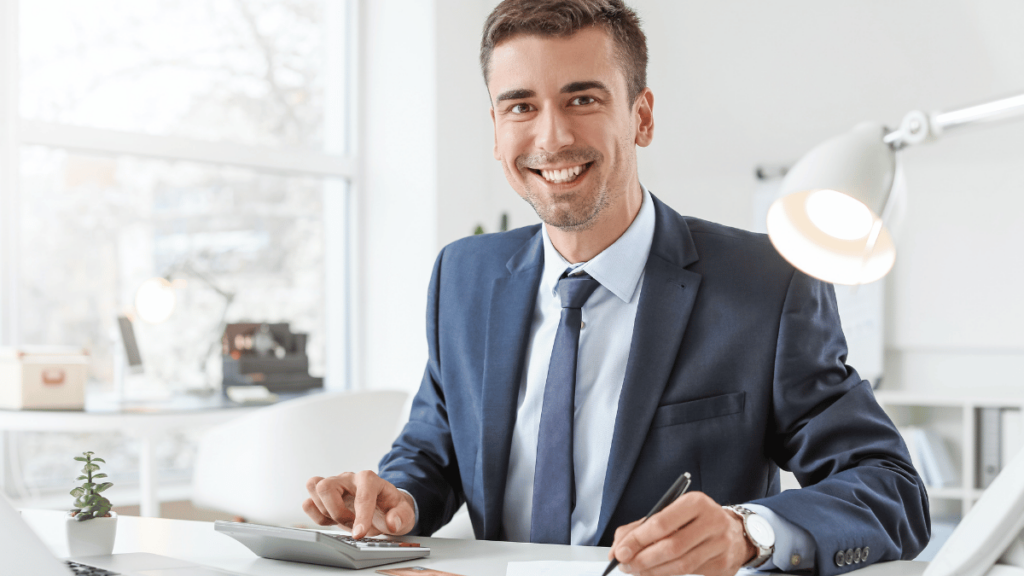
(416, 508)
(794, 547)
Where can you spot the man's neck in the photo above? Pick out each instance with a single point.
(582, 245)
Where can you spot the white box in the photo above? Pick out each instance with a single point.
(43, 377)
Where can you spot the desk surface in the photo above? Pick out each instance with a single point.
(197, 542)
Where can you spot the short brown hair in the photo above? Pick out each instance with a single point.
(563, 18)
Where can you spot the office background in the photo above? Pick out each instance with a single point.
(736, 84)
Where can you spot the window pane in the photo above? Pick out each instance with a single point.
(251, 72)
(95, 227)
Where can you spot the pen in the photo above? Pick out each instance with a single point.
(674, 491)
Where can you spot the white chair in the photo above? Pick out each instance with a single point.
(256, 466)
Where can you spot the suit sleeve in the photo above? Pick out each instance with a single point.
(422, 459)
(860, 490)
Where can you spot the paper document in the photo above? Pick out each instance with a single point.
(553, 568)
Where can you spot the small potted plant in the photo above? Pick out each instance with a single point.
(90, 524)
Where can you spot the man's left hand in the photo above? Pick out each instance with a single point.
(693, 535)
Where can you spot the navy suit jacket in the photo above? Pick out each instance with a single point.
(736, 368)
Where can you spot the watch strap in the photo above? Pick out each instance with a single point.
(763, 552)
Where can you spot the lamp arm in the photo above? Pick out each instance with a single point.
(190, 270)
(918, 126)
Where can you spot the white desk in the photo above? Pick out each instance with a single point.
(197, 542)
(146, 422)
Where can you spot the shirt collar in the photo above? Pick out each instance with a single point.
(619, 267)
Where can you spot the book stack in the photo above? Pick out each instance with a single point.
(999, 440)
(930, 456)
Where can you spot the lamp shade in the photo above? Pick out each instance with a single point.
(827, 221)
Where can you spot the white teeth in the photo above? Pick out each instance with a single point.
(563, 175)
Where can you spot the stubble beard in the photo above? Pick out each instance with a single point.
(572, 211)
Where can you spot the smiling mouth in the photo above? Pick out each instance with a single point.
(564, 175)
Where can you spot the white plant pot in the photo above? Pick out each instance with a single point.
(94, 537)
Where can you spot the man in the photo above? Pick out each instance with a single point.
(578, 367)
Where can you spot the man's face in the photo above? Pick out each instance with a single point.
(564, 130)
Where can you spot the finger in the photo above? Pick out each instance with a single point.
(672, 518)
(399, 521)
(705, 559)
(315, 514)
(368, 487)
(620, 533)
(398, 507)
(377, 525)
(332, 493)
(674, 549)
(311, 488)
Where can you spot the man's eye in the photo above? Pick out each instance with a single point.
(581, 100)
(520, 109)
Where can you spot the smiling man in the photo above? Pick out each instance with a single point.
(578, 367)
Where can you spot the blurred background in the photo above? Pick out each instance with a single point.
(310, 157)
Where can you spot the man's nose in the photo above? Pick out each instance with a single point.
(554, 130)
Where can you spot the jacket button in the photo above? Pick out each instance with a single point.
(849, 556)
(864, 554)
(840, 558)
(856, 555)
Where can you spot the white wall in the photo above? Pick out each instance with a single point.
(397, 192)
(738, 84)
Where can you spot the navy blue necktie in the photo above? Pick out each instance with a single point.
(554, 484)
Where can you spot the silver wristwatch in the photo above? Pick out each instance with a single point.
(759, 532)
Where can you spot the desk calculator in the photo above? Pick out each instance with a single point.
(313, 547)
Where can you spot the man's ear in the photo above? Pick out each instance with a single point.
(495, 126)
(645, 117)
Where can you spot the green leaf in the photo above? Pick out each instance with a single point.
(89, 486)
(83, 516)
(104, 486)
(80, 459)
(88, 453)
(80, 503)
(77, 492)
(100, 475)
(91, 500)
(99, 460)
(83, 477)
(90, 468)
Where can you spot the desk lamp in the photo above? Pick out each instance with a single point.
(836, 204)
(155, 300)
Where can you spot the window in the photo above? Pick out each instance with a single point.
(141, 137)
(154, 135)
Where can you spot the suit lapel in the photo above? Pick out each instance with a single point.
(666, 300)
(508, 330)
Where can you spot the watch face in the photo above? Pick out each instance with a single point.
(760, 531)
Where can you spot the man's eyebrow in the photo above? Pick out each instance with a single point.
(515, 94)
(585, 85)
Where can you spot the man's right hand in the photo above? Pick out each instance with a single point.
(361, 502)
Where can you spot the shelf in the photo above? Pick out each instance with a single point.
(946, 400)
(952, 493)
(955, 418)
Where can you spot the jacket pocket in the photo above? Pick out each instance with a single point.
(702, 409)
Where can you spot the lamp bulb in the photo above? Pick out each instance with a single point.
(155, 300)
(839, 215)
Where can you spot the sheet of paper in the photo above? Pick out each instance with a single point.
(553, 568)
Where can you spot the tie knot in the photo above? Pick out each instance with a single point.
(575, 290)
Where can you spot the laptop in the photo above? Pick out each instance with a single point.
(24, 553)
